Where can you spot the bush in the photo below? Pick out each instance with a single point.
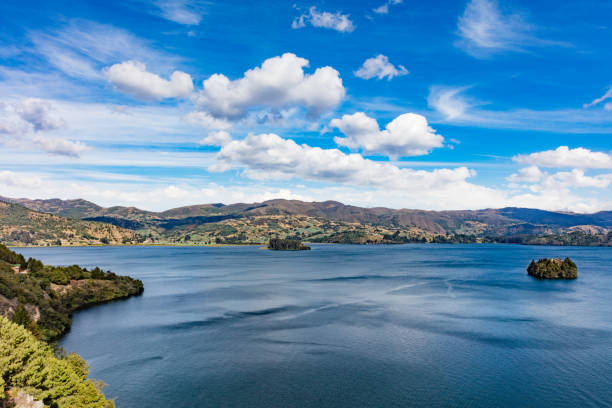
(29, 364)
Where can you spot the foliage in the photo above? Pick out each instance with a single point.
(286, 245)
(21, 316)
(29, 364)
(57, 291)
(553, 269)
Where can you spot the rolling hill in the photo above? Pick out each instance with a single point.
(331, 221)
(22, 226)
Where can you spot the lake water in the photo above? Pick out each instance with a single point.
(348, 326)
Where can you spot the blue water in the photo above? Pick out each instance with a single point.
(348, 326)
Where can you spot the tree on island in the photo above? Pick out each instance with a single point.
(553, 268)
(279, 244)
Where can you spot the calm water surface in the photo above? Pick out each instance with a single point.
(348, 326)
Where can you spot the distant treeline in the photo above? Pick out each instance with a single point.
(575, 238)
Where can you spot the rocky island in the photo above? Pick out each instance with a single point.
(554, 268)
(287, 245)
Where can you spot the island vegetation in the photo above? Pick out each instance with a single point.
(554, 268)
(31, 370)
(42, 297)
(286, 245)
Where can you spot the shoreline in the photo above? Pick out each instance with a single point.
(306, 242)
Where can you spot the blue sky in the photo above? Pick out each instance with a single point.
(406, 104)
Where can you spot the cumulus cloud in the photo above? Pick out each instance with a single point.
(132, 78)
(334, 21)
(575, 179)
(60, 146)
(384, 9)
(484, 29)
(279, 83)
(380, 67)
(407, 135)
(563, 156)
(38, 113)
(12, 179)
(605, 96)
(530, 174)
(270, 156)
(541, 182)
(206, 120)
(449, 101)
(220, 138)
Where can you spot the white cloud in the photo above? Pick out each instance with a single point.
(407, 135)
(605, 96)
(279, 83)
(132, 78)
(573, 179)
(81, 48)
(220, 138)
(384, 9)
(484, 29)
(60, 146)
(37, 112)
(380, 67)
(560, 186)
(563, 156)
(12, 179)
(462, 110)
(206, 120)
(270, 156)
(31, 118)
(184, 12)
(530, 174)
(448, 101)
(335, 21)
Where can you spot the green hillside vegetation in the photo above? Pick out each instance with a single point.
(42, 297)
(30, 365)
(327, 221)
(22, 226)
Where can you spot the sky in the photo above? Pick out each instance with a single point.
(447, 105)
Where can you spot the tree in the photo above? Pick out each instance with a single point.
(21, 316)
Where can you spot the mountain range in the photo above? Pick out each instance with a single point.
(327, 221)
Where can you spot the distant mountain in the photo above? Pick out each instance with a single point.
(238, 222)
(22, 226)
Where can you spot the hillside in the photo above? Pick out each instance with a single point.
(22, 226)
(331, 221)
(42, 297)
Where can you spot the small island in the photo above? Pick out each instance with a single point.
(554, 268)
(278, 244)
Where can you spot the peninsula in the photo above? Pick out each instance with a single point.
(42, 297)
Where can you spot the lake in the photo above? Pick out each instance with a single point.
(348, 326)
